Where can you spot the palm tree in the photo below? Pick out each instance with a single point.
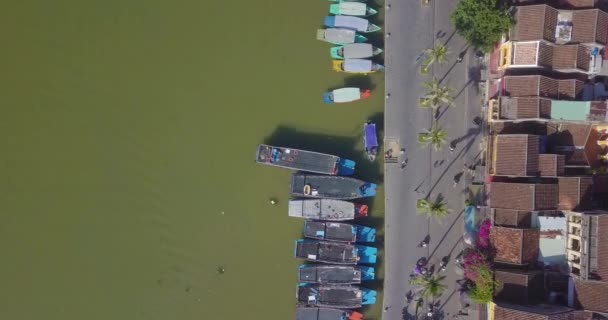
(437, 208)
(437, 53)
(430, 286)
(436, 95)
(436, 137)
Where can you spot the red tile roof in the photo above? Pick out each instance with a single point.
(534, 22)
(519, 287)
(514, 245)
(512, 218)
(591, 295)
(506, 311)
(530, 86)
(575, 193)
(523, 196)
(551, 165)
(516, 155)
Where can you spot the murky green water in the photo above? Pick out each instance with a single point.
(128, 134)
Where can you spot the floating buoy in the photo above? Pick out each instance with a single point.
(272, 201)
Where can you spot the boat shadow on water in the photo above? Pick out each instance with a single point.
(360, 81)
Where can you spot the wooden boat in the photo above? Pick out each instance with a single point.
(349, 22)
(338, 231)
(370, 140)
(344, 95)
(354, 51)
(313, 313)
(320, 274)
(330, 187)
(334, 252)
(326, 209)
(303, 160)
(352, 8)
(340, 36)
(334, 296)
(361, 66)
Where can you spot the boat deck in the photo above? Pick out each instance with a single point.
(322, 209)
(332, 231)
(329, 274)
(298, 159)
(339, 253)
(331, 296)
(326, 186)
(307, 313)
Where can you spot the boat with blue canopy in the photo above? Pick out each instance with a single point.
(334, 252)
(303, 160)
(326, 209)
(352, 8)
(361, 66)
(338, 231)
(354, 51)
(370, 141)
(320, 274)
(314, 313)
(349, 22)
(340, 36)
(330, 187)
(344, 95)
(335, 296)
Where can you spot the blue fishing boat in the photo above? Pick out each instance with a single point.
(313, 313)
(320, 274)
(334, 252)
(340, 36)
(370, 140)
(350, 22)
(338, 231)
(330, 187)
(302, 160)
(334, 296)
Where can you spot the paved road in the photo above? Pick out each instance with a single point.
(413, 28)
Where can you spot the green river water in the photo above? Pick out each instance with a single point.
(128, 135)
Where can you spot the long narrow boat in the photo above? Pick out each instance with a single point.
(360, 66)
(334, 252)
(340, 36)
(354, 51)
(351, 8)
(320, 274)
(370, 141)
(330, 187)
(302, 160)
(313, 313)
(338, 231)
(335, 296)
(349, 22)
(326, 209)
(344, 95)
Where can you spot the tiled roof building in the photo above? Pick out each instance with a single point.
(515, 246)
(523, 196)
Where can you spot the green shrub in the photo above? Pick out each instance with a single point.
(481, 22)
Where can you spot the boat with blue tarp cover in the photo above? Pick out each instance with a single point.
(354, 51)
(370, 141)
(330, 187)
(343, 95)
(340, 36)
(338, 231)
(314, 313)
(334, 296)
(326, 209)
(349, 22)
(352, 8)
(334, 252)
(318, 273)
(303, 160)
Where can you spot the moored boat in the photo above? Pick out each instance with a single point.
(340, 36)
(334, 296)
(352, 8)
(303, 160)
(326, 209)
(334, 252)
(349, 22)
(362, 66)
(314, 313)
(344, 95)
(354, 51)
(370, 140)
(320, 274)
(338, 231)
(330, 187)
